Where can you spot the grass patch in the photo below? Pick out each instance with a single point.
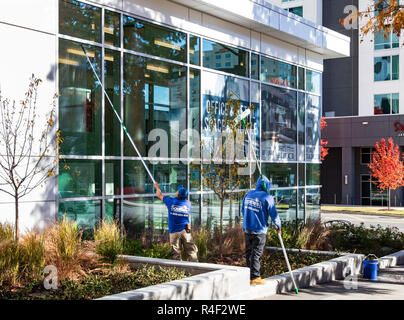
(381, 211)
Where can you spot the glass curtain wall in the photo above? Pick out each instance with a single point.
(165, 84)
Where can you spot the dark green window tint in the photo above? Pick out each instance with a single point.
(312, 174)
(87, 214)
(194, 50)
(80, 99)
(395, 74)
(112, 177)
(112, 209)
(277, 72)
(301, 78)
(255, 74)
(154, 98)
(112, 28)
(158, 41)
(79, 178)
(80, 20)
(112, 80)
(225, 58)
(281, 175)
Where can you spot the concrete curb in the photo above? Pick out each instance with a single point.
(328, 253)
(209, 282)
(391, 260)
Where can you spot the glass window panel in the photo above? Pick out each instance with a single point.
(211, 211)
(255, 73)
(382, 69)
(112, 177)
(297, 10)
(137, 213)
(195, 176)
(79, 178)
(255, 117)
(112, 83)
(154, 98)
(382, 104)
(279, 125)
(313, 81)
(196, 210)
(277, 72)
(313, 174)
(194, 113)
(301, 101)
(365, 189)
(382, 40)
(142, 36)
(286, 204)
(313, 128)
(169, 176)
(300, 204)
(313, 204)
(281, 175)
(395, 40)
(112, 210)
(194, 50)
(112, 28)
(213, 51)
(87, 214)
(395, 97)
(302, 174)
(81, 20)
(395, 67)
(301, 78)
(80, 99)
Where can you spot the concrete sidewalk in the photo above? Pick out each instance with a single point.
(390, 286)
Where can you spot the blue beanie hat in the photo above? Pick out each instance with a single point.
(182, 192)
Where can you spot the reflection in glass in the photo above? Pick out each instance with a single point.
(313, 81)
(79, 178)
(211, 211)
(194, 113)
(112, 25)
(255, 66)
(277, 72)
(395, 103)
(313, 204)
(395, 74)
(142, 36)
(135, 213)
(154, 98)
(112, 83)
(382, 68)
(301, 78)
(279, 132)
(312, 174)
(112, 177)
(286, 204)
(80, 99)
(302, 174)
(300, 204)
(225, 58)
(112, 210)
(87, 214)
(382, 104)
(169, 176)
(313, 129)
(81, 20)
(194, 50)
(281, 175)
(301, 121)
(195, 215)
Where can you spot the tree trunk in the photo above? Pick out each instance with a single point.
(16, 217)
(221, 226)
(389, 198)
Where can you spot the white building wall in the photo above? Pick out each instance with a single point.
(28, 31)
(312, 9)
(367, 86)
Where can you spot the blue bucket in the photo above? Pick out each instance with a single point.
(370, 268)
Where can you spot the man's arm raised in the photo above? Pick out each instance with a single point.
(159, 194)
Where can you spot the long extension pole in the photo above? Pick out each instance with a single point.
(119, 118)
(279, 235)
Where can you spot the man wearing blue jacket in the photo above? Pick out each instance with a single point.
(179, 227)
(257, 207)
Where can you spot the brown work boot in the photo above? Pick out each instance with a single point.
(257, 281)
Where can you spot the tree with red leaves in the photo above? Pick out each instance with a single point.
(324, 150)
(386, 167)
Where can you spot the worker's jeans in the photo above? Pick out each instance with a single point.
(182, 238)
(254, 246)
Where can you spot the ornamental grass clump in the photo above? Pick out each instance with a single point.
(63, 247)
(9, 255)
(32, 254)
(109, 242)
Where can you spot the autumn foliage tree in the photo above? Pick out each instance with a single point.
(386, 167)
(324, 150)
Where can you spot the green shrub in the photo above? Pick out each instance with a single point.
(133, 247)
(109, 243)
(156, 250)
(201, 238)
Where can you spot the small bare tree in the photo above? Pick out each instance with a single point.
(27, 158)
